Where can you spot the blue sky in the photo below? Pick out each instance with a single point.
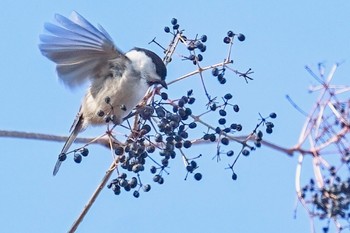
(281, 38)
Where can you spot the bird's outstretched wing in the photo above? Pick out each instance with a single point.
(80, 50)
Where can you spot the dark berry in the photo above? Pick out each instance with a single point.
(230, 34)
(193, 164)
(77, 158)
(192, 57)
(215, 71)
(164, 95)
(236, 108)
(273, 115)
(225, 141)
(269, 124)
(153, 169)
(191, 100)
(230, 153)
(119, 150)
(158, 138)
(62, 157)
(192, 125)
(198, 176)
(228, 96)
(133, 182)
(189, 168)
(156, 178)
(245, 152)
(227, 40)
(161, 180)
(239, 127)
(167, 29)
(187, 144)
(136, 194)
(222, 121)
(221, 79)
(269, 130)
(234, 176)
(146, 187)
(204, 47)
(222, 112)
(212, 137)
(84, 151)
(241, 37)
(173, 21)
(204, 38)
(176, 26)
(199, 57)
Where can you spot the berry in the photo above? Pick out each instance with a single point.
(119, 150)
(164, 95)
(222, 121)
(189, 168)
(273, 115)
(167, 29)
(173, 21)
(269, 130)
(215, 71)
(227, 40)
(156, 178)
(239, 127)
(230, 34)
(245, 152)
(204, 38)
(84, 151)
(199, 57)
(228, 96)
(269, 124)
(161, 180)
(198, 176)
(236, 108)
(187, 144)
(62, 157)
(193, 164)
(158, 138)
(153, 169)
(225, 141)
(192, 57)
(222, 112)
(212, 137)
(199, 45)
(150, 148)
(241, 37)
(133, 182)
(77, 158)
(222, 81)
(230, 153)
(176, 26)
(192, 125)
(204, 47)
(146, 187)
(136, 194)
(234, 176)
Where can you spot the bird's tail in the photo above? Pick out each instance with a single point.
(76, 128)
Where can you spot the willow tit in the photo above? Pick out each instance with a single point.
(83, 52)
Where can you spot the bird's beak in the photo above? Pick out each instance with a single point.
(163, 83)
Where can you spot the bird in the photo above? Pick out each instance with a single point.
(118, 81)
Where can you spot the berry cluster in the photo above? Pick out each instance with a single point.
(165, 128)
(332, 201)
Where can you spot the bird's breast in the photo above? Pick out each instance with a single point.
(123, 93)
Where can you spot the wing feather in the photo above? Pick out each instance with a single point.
(80, 50)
